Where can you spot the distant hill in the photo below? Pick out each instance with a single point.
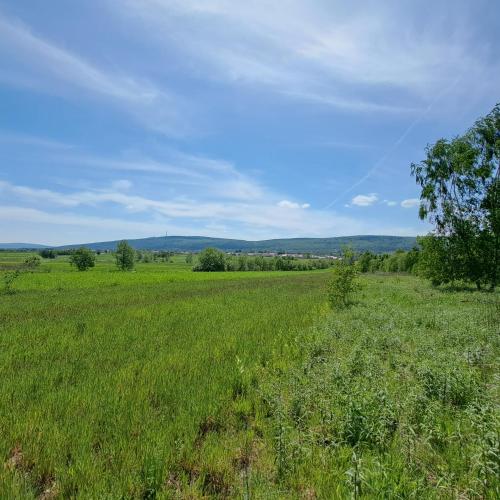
(21, 246)
(376, 244)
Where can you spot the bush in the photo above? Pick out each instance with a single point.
(211, 260)
(47, 253)
(344, 283)
(32, 262)
(83, 259)
(125, 256)
(8, 281)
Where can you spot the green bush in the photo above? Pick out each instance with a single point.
(8, 281)
(211, 260)
(32, 262)
(83, 259)
(344, 282)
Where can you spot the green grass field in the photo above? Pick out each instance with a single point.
(164, 383)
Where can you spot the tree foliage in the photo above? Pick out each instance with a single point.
(125, 256)
(83, 259)
(460, 195)
(397, 262)
(344, 282)
(211, 260)
(47, 253)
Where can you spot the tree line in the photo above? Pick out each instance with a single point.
(213, 260)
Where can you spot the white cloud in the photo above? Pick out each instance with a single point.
(364, 200)
(33, 224)
(264, 217)
(292, 204)
(390, 203)
(410, 203)
(36, 216)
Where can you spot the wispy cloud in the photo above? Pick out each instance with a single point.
(35, 62)
(305, 50)
(106, 226)
(390, 203)
(380, 162)
(259, 218)
(213, 177)
(31, 140)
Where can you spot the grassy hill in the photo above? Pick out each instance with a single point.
(376, 244)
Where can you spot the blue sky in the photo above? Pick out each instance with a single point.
(256, 119)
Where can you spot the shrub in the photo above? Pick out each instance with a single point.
(344, 283)
(32, 262)
(83, 259)
(8, 281)
(47, 253)
(211, 260)
(125, 256)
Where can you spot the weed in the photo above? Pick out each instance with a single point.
(8, 281)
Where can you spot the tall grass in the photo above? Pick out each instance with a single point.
(165, 383)
(396, 397)
(107, 378)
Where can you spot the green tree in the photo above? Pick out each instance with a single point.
(47, 253)
(189, 258)
(411, 259)
(438, 260)
(364, 261)
(125, 256)
(211, 260)
(461, 195)
(344, 282)
(83, 259)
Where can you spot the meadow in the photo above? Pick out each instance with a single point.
(164, 383)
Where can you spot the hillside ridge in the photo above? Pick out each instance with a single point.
(374, 243)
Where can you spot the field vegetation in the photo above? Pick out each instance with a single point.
(168, 383)
(106, 376)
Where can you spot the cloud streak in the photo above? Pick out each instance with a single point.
(309, 52)
(32, 61)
